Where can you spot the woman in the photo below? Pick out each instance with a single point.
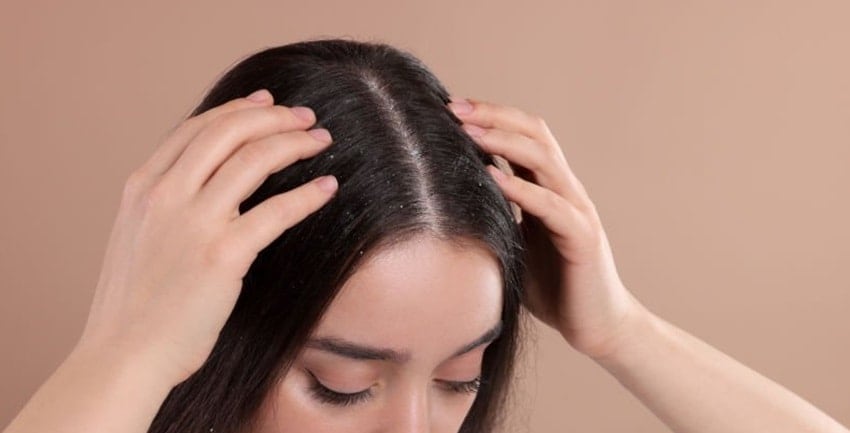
(269, 275)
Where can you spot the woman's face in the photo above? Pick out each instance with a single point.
(399, 349)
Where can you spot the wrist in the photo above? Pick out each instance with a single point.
(95, 388)
(125, 362)
(635, 321)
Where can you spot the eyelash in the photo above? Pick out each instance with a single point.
(470, 387)
(325, 395)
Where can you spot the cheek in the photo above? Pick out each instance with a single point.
(450, 410)
(284, 410)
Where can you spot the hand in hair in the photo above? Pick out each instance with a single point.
(572, 284)
(179, 248)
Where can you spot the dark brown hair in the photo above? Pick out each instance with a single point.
(404, 166)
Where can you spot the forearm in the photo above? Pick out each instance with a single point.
(695, 388)
(94, 392)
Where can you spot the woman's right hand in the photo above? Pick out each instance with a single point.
(179, 248)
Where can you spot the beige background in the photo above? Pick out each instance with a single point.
(714, 137)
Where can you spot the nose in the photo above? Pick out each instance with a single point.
(411, 412)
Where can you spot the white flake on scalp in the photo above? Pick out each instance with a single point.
(399, 126)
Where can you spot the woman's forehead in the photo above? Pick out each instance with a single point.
(425, 292)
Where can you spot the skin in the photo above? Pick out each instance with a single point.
(574, 287)
(425, 297)
(147, 331)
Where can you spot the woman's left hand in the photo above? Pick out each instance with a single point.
(572, 283)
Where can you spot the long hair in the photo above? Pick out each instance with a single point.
(404, 166)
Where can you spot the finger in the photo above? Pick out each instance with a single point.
(266, 221)
(174, 144)
(559, 215)
(222, 137)
(549, 170)
(508, 118)
(489, 116)
(252, 164)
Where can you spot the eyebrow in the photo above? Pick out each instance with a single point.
(352, 350)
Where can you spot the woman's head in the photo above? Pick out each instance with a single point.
(400, 290)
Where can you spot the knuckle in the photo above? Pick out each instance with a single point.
(284, 154)
(522, 187)
(538, 154)
(240, 103)
(586, 205)
(290, 146)
(553, 151)
(231, 106)
(307, 144)
(535, 162)
(185, 125)
(232, 122)
(155, 196)
(553, 200)
(539, 123)
(514, 111)
(282, 113)
(235, 120)
(253, 154)
(304, 200)
(190, 123)
(134, 183)
(288, 116)
(295, 153)
(220, 128)
(213, 114)
(480, 104)
(286, 210)
(282, 110)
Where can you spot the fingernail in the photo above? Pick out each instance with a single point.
(321, 134)
(498, 174)
(473, 130)
(303, 112)
(460, 106)
(259, 96)
(327, 183)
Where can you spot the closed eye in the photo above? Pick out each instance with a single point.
(468, 387)
(326, 395)
(329, 396)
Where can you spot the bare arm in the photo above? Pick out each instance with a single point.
(95, 391)
(695, 388)
(572, 285)
(142, 339)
